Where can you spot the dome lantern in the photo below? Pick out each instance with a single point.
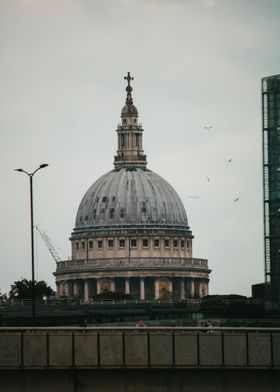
(130, 152)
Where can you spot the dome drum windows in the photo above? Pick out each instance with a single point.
(99, 244)
(110, 243)
(166, 243)
(145, 243)
(90, 244)
(156, 242)
(121, 243)
(133, 243)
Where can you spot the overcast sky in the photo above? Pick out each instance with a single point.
(196, 63)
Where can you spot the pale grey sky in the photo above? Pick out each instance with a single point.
(195, 63)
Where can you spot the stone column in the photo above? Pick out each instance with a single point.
(201, 289)
(192, 288)
(171, 287)
(156, 288)
(75, 288)
(86, 290)
(206, 288)
(142, 288)
(127, 286)
(113, 288)
(66, 288)
(98, 286)
(57, 288)
(182, 289)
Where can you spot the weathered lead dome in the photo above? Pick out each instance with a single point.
(133, 197)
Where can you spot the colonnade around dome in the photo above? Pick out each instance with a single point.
(140, 288)
(140, 277)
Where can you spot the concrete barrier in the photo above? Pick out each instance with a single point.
(161, 349)
(259, 349)
(10, 350)
(136, 349)
(186, 349)
(35, 350)
(93, 348)
(60, 350)
(111, 349)
(86, 349)
(210, 349)
(235, 349)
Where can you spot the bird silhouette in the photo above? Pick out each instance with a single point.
(237, 199)
(208, 179)
(208, 127)
(229, 160)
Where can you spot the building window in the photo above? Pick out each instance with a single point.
(156, 243)
(77, 245)
(166, 243)
(124, 120)
(110, 243)
(83, 244)
(122, 213)
(175, 243)
(111, 213)
(182, 244)
(99, 244)
(104, 199)
(90, 244)
(122, 243)
(133, 242)
(145, 242)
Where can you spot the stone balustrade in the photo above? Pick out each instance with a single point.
(132, 263)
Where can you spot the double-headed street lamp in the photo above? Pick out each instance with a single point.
(30, 175)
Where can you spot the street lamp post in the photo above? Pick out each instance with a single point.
(30, 175)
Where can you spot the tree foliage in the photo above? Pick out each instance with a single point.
(22, 289)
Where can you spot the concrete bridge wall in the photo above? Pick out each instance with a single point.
(152, 359)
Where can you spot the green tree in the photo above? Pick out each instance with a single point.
(22, 289)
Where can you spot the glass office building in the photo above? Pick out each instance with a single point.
(271, 188)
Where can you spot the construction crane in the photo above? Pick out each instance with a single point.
(49, 244)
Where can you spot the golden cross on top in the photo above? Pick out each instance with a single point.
(128, 78)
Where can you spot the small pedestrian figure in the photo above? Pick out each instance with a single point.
(209, 326)
(140, 324)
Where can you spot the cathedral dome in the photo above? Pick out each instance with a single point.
(131, 198)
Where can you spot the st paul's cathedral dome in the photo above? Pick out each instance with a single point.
(131, 232)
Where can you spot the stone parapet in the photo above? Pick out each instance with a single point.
(132, 263)
(92, 348)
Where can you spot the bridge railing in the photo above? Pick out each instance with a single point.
(131, 347)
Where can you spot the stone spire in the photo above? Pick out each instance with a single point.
(130, 153)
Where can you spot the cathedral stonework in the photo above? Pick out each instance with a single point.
(131, 234)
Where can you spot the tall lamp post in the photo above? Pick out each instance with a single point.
(30, 175)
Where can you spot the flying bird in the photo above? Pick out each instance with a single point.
(208, 127)
(208, 179)
(229, 160)
(235, 200)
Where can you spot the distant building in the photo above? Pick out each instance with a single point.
(258, 291)
(271, 184)
(131, 234)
